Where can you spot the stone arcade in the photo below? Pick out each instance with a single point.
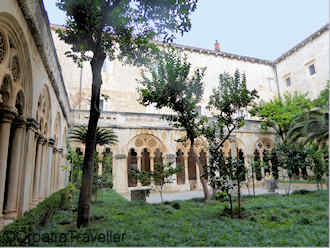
(145, 138)
(36, 111)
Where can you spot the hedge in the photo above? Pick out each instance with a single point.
(19, 232)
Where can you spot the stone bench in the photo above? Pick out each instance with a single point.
(140, 193)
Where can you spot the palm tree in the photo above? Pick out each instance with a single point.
(311, 126)
(104, 136)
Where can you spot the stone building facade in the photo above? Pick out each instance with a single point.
(43, 93)
(144, 138)
(34, 109)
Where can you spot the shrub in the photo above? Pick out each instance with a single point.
(301, 192)
(221, 196)
(20, 231)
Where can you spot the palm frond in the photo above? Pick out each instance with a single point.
(104, 136)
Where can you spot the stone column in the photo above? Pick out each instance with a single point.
(152, 163)
(36, 181)
(50, 148)
(99, 171)
(6, 117)
(261, 156)
(152, 167)
(171, 158)
(61, 171)
(57, 169)
(139, 157)
(28, 165)
(52, 177)
(43, 171)
(233, 146)
(120, 173)
(186, 175)
(198, 174)
(11, 205)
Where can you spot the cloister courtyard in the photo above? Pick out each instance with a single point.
(113, 135)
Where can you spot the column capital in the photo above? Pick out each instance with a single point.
(170, 156)
(20, 122)
(7, 114)
(120, 156)
(51, 142)
(31, 123)
(60, 149)
(232, 138)
(41, 140)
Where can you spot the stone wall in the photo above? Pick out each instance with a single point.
(34, 109)
(315, 49)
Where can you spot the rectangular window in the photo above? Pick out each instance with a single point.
(101, 104)
(311, 69)
(288, 82)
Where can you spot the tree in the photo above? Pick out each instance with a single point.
(119, 29)
(313, 125)
(281, 111)
(292, 158)
(310, 127)
(228, 101)
(104, 136)
(76, 162)
(322, 101)
(257, 165)
(171, 86)
(162, 174)
(317, 160)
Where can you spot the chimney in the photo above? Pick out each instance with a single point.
(217, 46)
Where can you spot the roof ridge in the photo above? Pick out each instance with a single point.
(303, 43)
(237, 56)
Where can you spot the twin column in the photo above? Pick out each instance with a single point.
(6, 118)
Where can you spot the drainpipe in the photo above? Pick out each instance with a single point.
(276, 80)
(80, 87)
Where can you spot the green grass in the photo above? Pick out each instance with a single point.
(297, 220)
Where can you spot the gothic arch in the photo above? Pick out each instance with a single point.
(200, 144)
(57, 126)
(43, 114)
(148, 141)
(264, 143)
(15, 65)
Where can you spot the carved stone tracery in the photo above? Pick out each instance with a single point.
(15, 68)
(3, 47)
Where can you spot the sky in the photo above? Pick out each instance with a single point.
(258, 28)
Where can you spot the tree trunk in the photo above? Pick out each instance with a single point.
(254, 193)
(204, 182)
(161, 195)
(231, 204)
(239, 199)
(94, 114)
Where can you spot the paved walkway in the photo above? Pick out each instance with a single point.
(154, 197)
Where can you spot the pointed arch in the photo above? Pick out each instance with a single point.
(15, 60)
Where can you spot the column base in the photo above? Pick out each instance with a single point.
(10, 214)
(42, 198)
(1, 222)
(34, 203)
(121, 190)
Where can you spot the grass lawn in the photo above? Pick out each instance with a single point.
(297, 220)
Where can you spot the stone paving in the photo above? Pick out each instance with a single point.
(154, 197)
